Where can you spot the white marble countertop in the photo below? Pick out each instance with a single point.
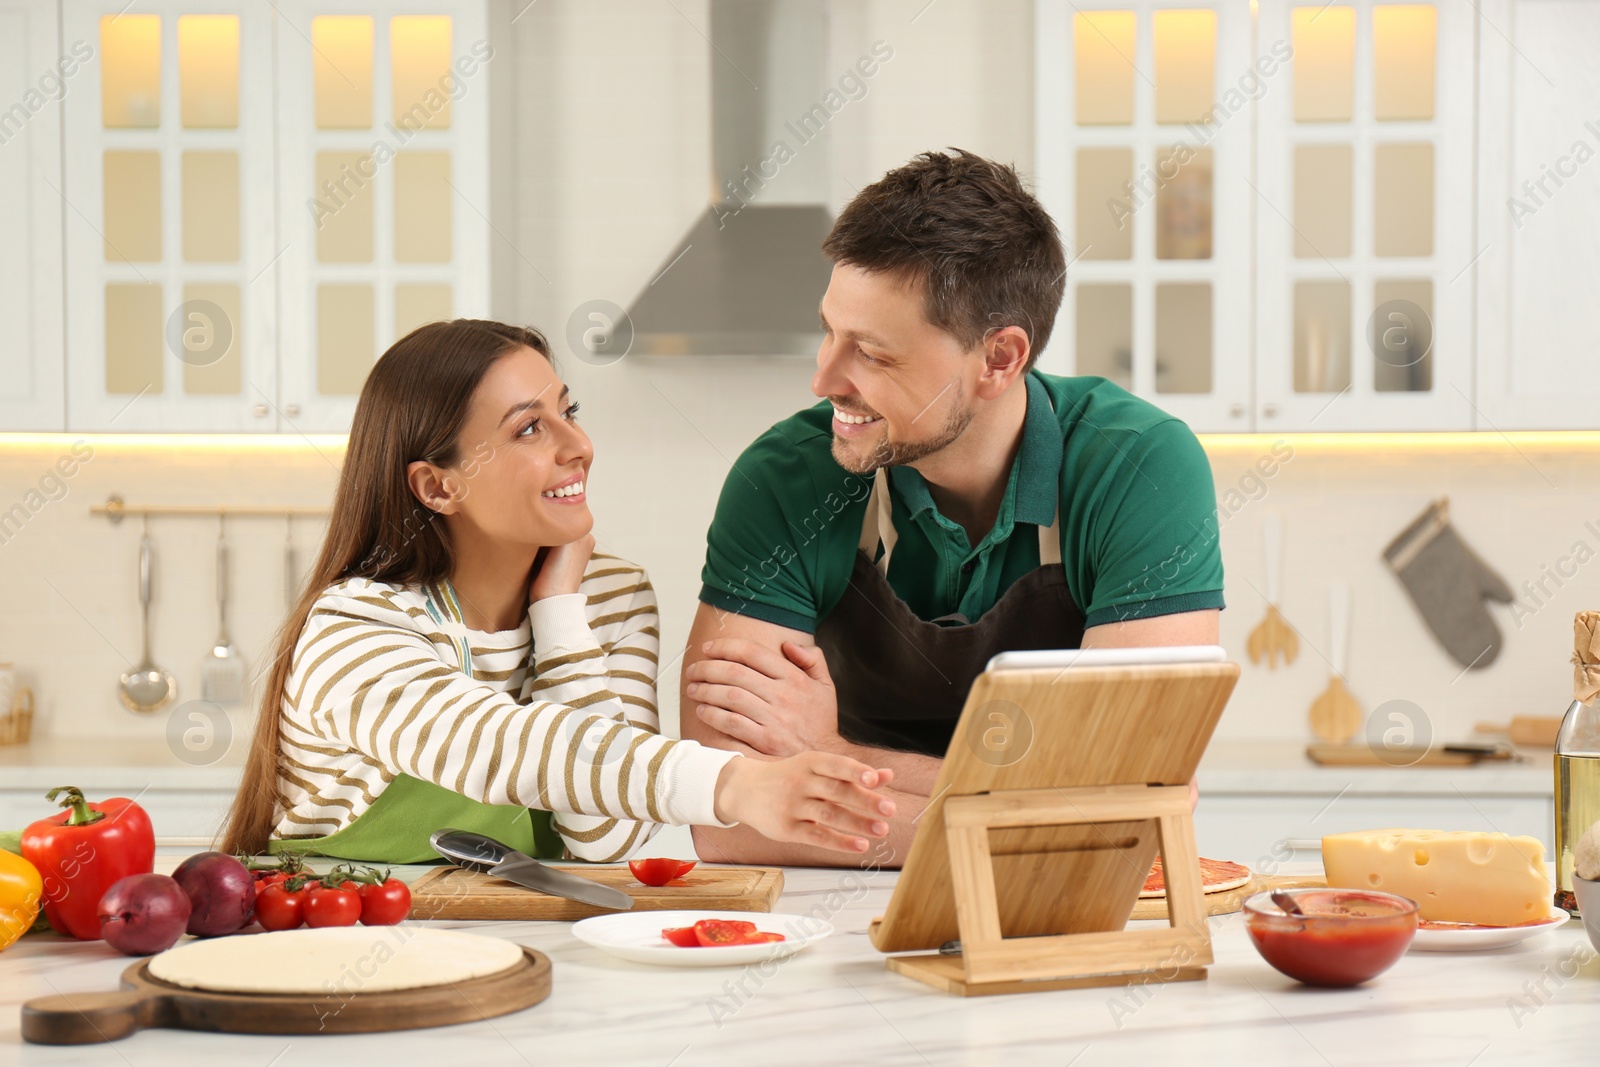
(837, 1004)
(1281, 767)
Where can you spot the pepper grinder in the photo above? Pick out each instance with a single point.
(1577, 757)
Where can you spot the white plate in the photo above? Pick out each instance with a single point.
(1482, 938)
(637, 936)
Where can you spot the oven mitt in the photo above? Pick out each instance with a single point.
(1448, 583)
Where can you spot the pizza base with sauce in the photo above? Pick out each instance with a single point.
(1217, 876)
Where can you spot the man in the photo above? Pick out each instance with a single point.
(944, 503)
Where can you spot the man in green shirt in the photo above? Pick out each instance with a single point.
(945, 502)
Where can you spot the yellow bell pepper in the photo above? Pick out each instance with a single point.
(21, 892)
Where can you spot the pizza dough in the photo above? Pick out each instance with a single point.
(1216, 876)
(338, 960)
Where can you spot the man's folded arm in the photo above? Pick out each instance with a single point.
(914, 773)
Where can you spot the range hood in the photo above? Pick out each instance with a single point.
(746, 278)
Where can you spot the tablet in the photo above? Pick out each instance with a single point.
(1052, 658)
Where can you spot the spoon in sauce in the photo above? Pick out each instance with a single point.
(1287, 903)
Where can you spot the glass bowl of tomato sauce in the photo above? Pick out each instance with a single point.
(1342, 937)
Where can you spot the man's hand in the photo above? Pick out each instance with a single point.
(776, 704)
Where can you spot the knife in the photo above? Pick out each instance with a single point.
(475, 852)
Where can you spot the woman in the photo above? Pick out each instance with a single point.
(461, 656)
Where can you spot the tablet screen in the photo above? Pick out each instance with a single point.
(1054, 658)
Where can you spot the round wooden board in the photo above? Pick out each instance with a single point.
(144, 1002)
(1230, 900)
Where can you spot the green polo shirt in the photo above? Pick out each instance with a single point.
(1138, 518)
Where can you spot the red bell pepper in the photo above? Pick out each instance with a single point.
(82, 851)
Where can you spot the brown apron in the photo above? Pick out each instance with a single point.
(902, 680)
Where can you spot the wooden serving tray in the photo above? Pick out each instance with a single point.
(454, 893)
(145, 1002)
(1231, 900)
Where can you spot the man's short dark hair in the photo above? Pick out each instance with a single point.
(984, 249)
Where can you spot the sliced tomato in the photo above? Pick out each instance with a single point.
(712, 933)
(767, 935)
(658, 870)
(682, 936)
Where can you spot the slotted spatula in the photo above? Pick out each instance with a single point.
(1336, 715)
(1273, 636)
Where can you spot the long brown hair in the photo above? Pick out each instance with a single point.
(412, 407)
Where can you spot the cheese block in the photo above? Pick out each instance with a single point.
(1458, 876)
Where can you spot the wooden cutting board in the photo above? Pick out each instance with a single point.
(144, 1002)
(453, 893)
(1231, 900)
(1359, 755)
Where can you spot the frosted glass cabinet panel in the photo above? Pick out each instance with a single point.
(265, 196)
(1365, 218)
(1269, 208)
(384, 201)
(169, 168)
(1143, 147)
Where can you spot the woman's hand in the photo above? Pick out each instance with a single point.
(560, 568)
(815, 798)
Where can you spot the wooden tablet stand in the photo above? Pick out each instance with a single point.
(1062, 783)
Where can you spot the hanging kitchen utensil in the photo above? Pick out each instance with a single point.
(1336, 715)
(222, 677)
(146, 688)
(291, 585)
(1450, 586)
(1273, 637)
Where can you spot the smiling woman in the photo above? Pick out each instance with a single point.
(462, 657)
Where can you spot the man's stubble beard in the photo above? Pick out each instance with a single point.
(888, 453)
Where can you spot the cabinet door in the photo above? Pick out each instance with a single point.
(169, 228)
(1143, 141)
(1365, 217)
(1539, 215)
(383, 187)
(35, 72)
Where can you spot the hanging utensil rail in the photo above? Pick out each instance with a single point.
(115, 508)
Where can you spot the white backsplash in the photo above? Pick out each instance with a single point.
(610, 128)
(665, 433)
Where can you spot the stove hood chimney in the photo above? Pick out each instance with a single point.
(746, 278)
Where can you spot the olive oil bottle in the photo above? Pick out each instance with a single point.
(1577, 790)
(1578, 756)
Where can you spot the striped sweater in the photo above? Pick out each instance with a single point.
(558, 714)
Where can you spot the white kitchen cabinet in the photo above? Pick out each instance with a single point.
(170, 237)
(1539, 215)
(36, 71)
(263, 197)
(1260, 829)
(383, 125)
(1143, 147)
(1339, 208)
(1264, 803)
(1364, 214)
